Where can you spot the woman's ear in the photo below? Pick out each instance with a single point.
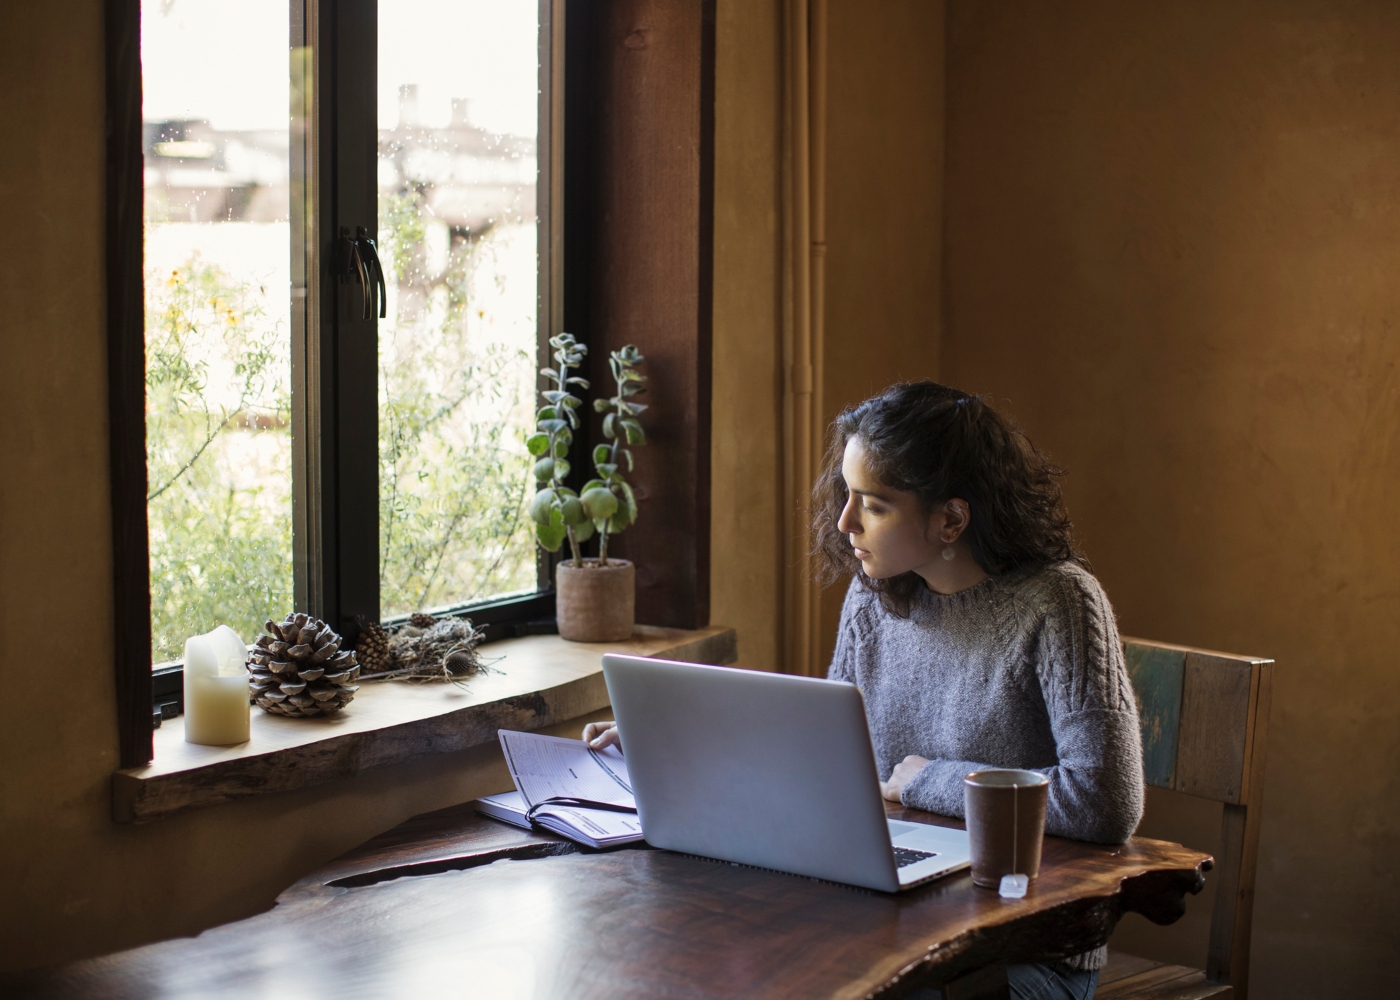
(956, 517)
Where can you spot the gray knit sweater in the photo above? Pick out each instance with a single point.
(1023, 670)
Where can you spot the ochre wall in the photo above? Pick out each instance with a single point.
(1172, 237)
(884, 155)
(884, 222)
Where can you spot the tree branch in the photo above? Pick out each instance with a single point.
(195, 457)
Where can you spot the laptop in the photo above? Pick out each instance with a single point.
(769, 770)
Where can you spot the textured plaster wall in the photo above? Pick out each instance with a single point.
(1172, 241)
(884, 207)
(884, 194)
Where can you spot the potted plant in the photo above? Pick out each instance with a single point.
(595, 598)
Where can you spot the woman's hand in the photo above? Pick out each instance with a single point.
(602, 734)
(904, 772)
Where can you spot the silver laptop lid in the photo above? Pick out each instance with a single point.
(764, 769)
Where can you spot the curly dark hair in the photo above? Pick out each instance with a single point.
(938, 442)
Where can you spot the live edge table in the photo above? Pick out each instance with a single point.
(450, 904)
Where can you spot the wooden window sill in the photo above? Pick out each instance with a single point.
(539, 681)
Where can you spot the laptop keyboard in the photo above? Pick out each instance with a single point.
(905, 856)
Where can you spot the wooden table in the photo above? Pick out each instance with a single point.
(450, 904)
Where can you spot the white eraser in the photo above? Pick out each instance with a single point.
(1014, 886)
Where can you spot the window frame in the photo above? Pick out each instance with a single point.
(333, 175)
(333, 514)
(639, 226)
(126, 381)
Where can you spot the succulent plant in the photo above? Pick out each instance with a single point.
(607, 499)
(556, 510)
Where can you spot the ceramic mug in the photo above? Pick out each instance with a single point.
(1005, 812)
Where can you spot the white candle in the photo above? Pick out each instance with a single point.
(216, 688)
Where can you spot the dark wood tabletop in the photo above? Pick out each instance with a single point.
(452, 904)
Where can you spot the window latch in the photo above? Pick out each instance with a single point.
(360, 260)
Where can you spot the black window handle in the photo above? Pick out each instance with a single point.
(360, 259)
(370, 255)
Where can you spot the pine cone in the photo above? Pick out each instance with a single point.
(421, 619)
(297, 668)
(372, 649)
(462, 663)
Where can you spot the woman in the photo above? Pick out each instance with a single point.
(973, 628)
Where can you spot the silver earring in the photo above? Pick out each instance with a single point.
(949, 553)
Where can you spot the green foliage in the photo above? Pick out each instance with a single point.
(600, 503)
(608, 498)
(452, 478)
(218, 448)
(558, 513)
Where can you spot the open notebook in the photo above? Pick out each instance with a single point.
(567, 788)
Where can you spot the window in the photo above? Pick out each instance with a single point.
(216, 145)
(458, 117)
(368, 156)
(301, 451)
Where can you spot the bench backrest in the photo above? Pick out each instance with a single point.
(1205, 722)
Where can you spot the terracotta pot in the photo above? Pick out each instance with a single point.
(596, 603)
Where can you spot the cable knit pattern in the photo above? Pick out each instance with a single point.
(1023, 670)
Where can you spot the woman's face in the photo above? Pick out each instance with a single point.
(888, 531)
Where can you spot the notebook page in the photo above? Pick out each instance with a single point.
(599, 825)
(549, 766)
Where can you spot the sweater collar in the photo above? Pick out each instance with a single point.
(932, 600)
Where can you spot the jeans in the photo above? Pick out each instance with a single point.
(1051, 982)
(1039, 982)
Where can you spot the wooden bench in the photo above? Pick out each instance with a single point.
(1205, 722)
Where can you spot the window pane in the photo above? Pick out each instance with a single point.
(215, 80)
(457, 123)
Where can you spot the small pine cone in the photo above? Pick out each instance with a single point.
(297, 668)
(462, 663)
(372, 647)
(421, 619)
